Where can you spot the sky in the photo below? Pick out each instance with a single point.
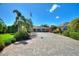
(42, 13)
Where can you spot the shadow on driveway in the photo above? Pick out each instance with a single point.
(21, 42)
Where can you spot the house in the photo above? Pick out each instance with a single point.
(41, 29)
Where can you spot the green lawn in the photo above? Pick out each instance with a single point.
(6, 37)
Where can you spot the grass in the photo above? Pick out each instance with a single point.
(6, 37)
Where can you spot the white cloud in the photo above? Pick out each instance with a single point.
(57, 17)
(54, 7)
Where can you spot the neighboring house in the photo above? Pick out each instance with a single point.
(41, 29)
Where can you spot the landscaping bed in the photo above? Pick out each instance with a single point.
(7, 39)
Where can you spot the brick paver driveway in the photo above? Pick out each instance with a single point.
(44, 44)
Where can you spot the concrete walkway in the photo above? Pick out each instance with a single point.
(44, 44)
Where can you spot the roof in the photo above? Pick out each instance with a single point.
(40, 27)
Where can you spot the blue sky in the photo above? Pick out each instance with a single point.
(42, 13)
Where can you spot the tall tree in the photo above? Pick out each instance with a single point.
(3, 26)
(22, 23)
(44, 25)
(53, 27)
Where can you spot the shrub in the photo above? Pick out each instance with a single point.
(21, 36)
(74, 35)
(2, 45)
(7, 42)
(13, 40)
(66, 33)
(74, 25)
